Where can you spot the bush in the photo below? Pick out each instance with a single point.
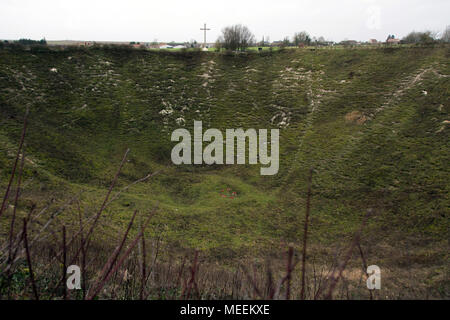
(32, 42)
(426, 37)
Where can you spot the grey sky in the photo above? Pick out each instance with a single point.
(180, 20)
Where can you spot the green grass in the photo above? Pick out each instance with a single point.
(101, 101)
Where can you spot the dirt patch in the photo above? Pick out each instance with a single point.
(355, 117)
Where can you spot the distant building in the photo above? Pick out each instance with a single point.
(349, 43)
(373, 41)
(164, 46)
(277, 43)
(393, 41)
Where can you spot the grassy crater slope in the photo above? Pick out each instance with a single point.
(374, 125)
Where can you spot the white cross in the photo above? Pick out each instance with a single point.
(204, 31)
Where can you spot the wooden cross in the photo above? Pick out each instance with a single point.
(204, 32)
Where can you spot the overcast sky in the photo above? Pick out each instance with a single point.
(180, 20)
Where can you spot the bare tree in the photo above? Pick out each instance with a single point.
(301, 38)
(446, 35)
(219, 43)
(236, 37)
(286, 42)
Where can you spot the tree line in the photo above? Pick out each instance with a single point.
(239, 37)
